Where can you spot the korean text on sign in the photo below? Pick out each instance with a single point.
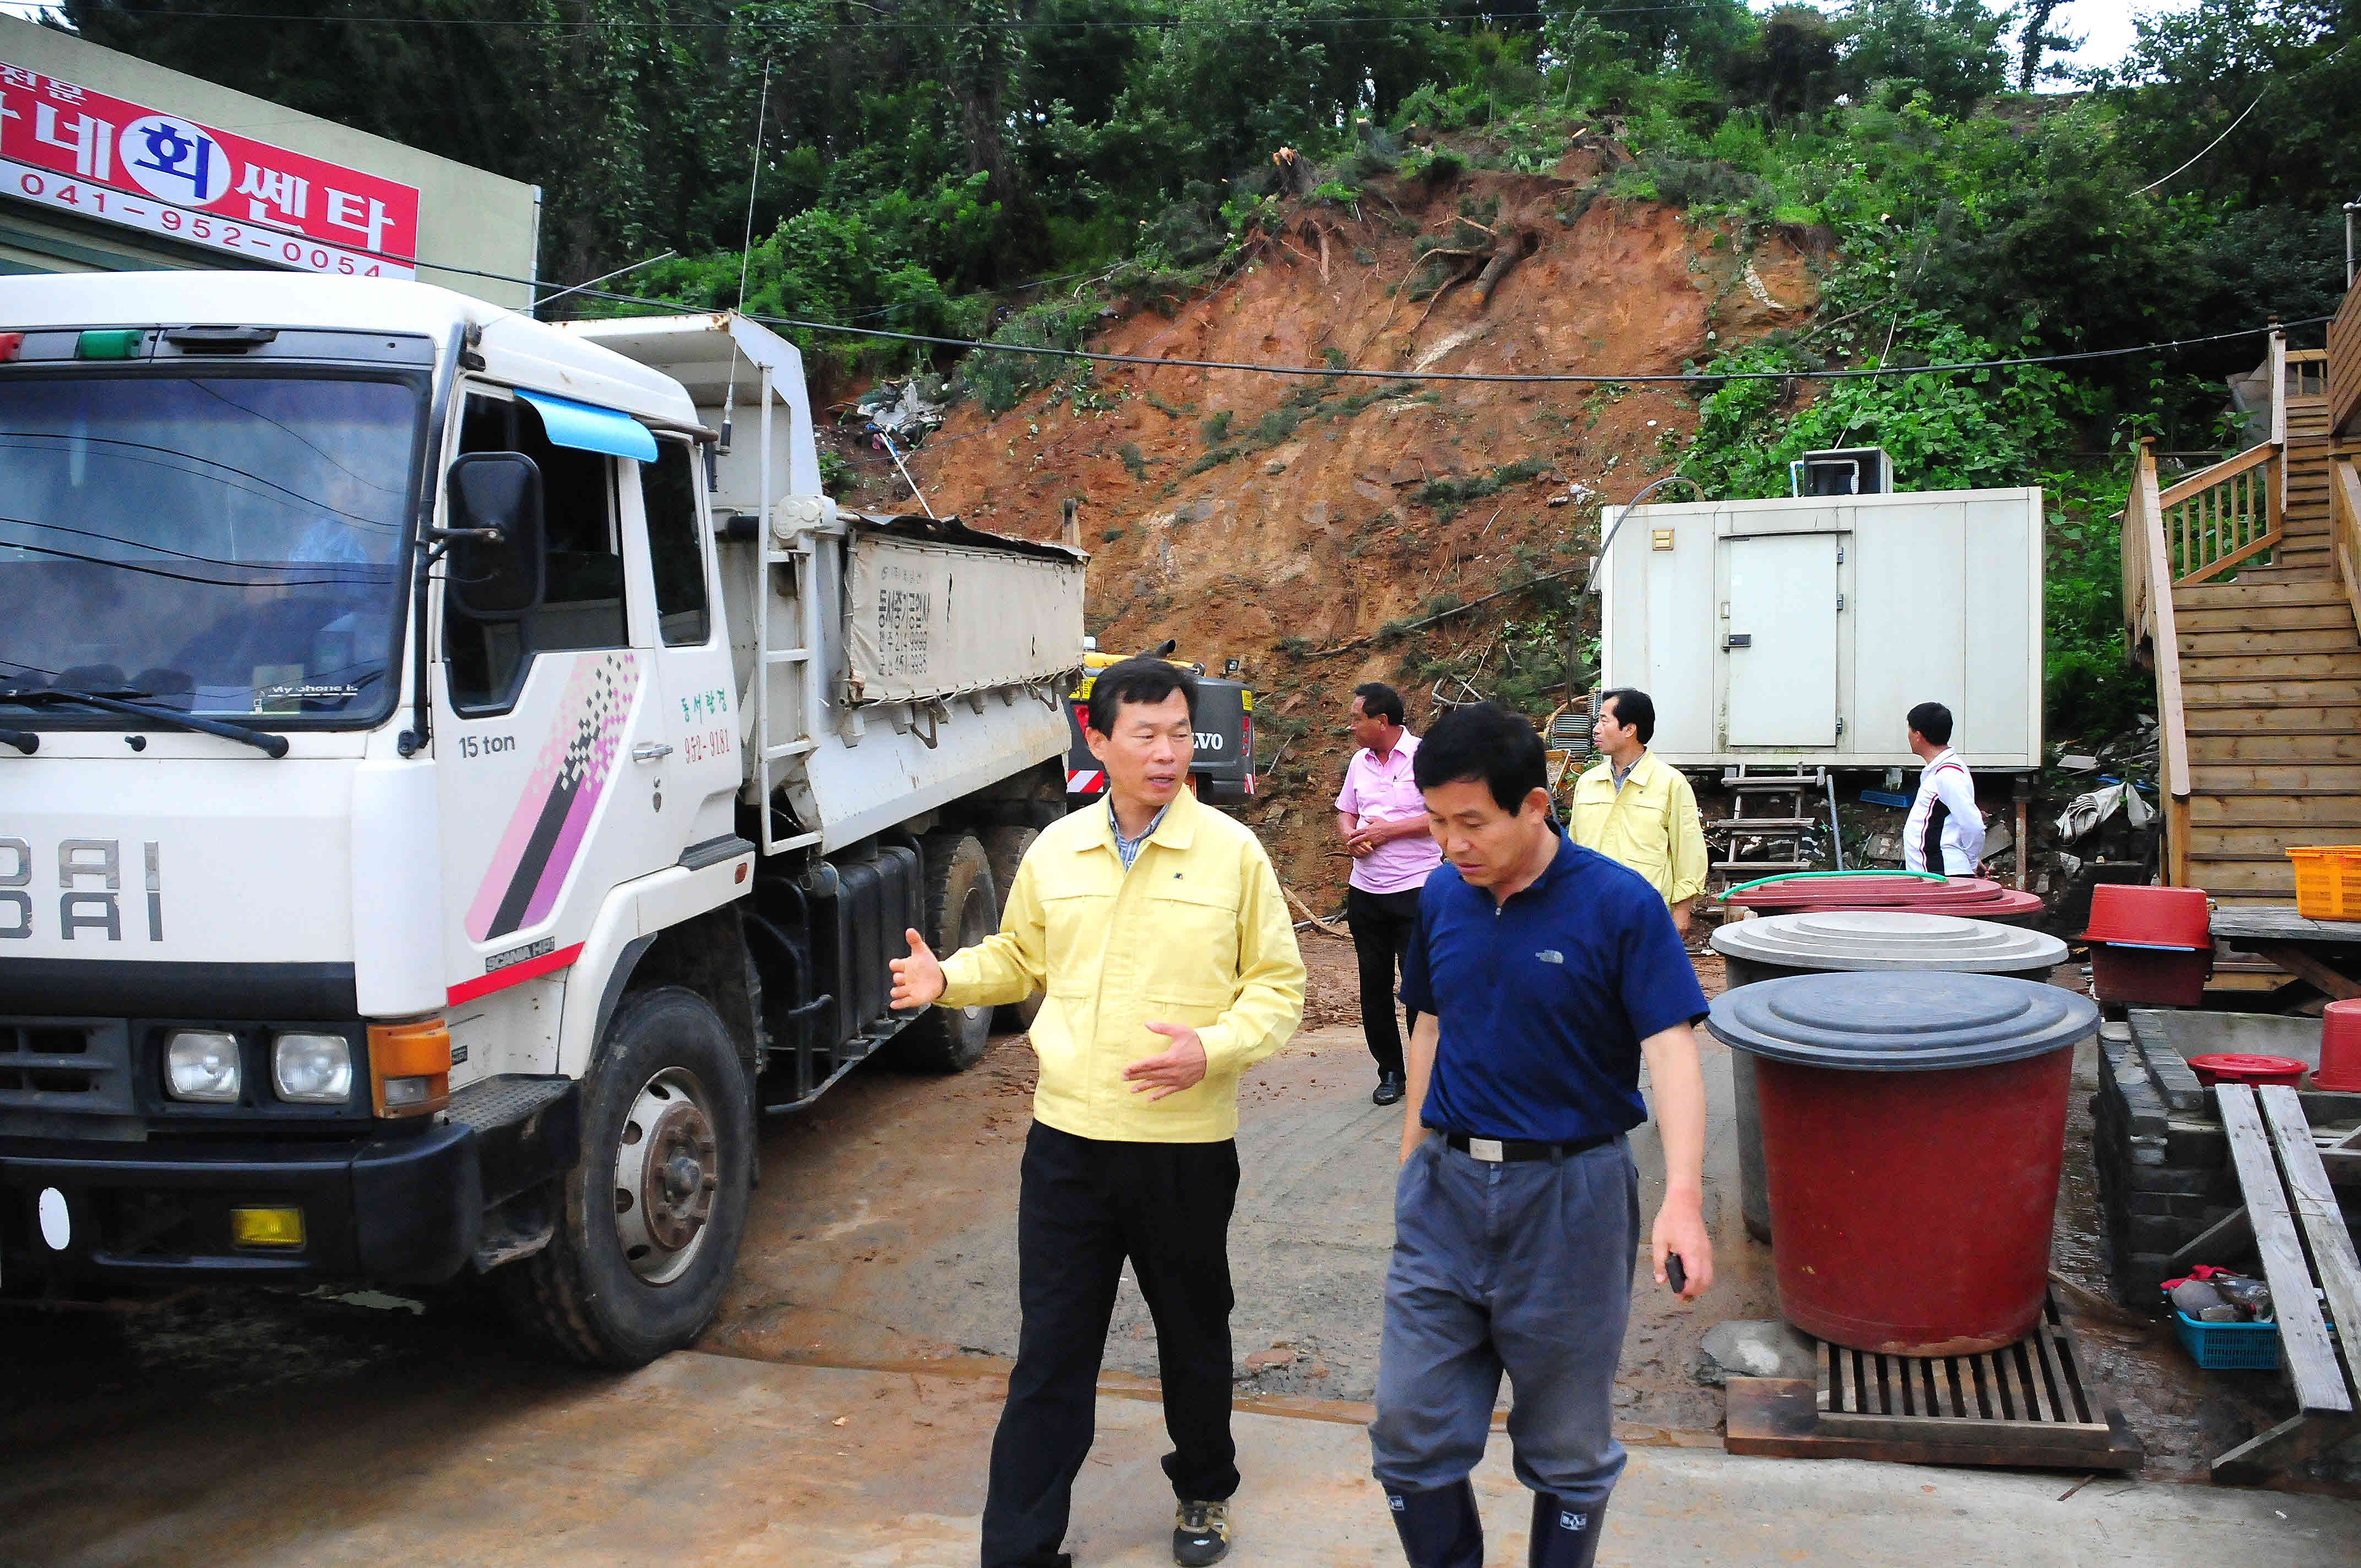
(79, 151)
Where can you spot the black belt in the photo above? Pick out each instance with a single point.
(1500, 1149)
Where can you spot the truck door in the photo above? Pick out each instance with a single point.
(549, 728)
(700, 774)
(1781, 639)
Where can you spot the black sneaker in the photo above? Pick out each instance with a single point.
(1200, 1533)
(1388, 1091)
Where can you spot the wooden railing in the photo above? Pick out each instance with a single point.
(2344, 366)
(2344, 529)
(2147, 616)
(2219, 516)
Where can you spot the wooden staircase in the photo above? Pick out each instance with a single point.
(2240, 590)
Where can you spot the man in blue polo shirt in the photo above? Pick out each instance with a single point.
(1544, 974)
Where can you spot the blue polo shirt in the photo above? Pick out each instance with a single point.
(1542, 1001)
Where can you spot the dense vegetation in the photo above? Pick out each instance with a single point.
(923, 160)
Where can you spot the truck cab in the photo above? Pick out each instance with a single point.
(431, 827)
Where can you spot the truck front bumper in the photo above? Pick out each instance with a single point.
(405, 1209)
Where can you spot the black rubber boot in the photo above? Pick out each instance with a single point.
(1438, 1528)
(1565, 1536)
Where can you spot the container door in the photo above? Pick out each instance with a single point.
(1782, 639)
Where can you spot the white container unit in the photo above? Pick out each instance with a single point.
(1805, 629)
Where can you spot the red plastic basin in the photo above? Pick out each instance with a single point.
(2150, 916)
(1973, 898)
(2150, 977)
(2237, 1067)
(2340, 1049)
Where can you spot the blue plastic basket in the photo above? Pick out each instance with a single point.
(2230, 1347)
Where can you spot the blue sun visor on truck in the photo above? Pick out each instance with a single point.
(592, 429)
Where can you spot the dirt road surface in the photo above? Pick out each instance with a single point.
(839, 1409)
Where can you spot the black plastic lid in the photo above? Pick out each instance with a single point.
(1922, 1022)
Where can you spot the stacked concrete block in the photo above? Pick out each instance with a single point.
(2163, 1161)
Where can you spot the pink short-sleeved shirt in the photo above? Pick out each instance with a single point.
(1385, 791)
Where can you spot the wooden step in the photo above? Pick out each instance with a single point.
(2244, 621)
(2276, 778)
(2258, 880)
(2244, 746)
(2315, 666)
(2242, 593)
(2330, 809)
(2283, 577)
(2268, 841)
(2239, 718)
(2262, 638)
(2224, 695)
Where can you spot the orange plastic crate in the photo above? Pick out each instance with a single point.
(2328, 881)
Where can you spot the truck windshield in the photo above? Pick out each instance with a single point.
(227, 545)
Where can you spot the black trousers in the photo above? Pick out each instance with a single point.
(1382, 925)
(1084, 1206)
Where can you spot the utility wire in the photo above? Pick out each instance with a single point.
(2274, 82)
(1010, 23)
(678, 307)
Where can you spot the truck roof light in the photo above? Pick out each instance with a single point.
(114, 344)
(12, 344)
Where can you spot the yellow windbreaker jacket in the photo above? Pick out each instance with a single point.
(1197, 933)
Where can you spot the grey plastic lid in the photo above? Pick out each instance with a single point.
(1887, 940)
(1922, 1022)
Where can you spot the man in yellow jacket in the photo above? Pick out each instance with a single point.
(1157, 930)
(1635, 810)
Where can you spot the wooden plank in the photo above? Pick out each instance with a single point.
(2226, 1237)
(2345, 748)
(2312, 970)
(2266, 839)
(2313, 666)
(2271, 1453)
(2333, 1262)
(2270, 640)
(2239, 618)
(2282, 921)
(2304, 1347)
(2205, 479)
(2145, 509)
(2285, 778)
(1776, 1417)
(2328, 691)
(2235, 595)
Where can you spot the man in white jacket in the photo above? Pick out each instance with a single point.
(1944, 832)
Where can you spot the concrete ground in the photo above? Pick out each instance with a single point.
(840, 1408)
(715, 1459)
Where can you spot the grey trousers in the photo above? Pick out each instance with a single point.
(1522, 1267)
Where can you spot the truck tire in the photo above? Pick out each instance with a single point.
(961, 909)
(1004, 848)
(652, 1216)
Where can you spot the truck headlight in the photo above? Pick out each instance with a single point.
(202, 1065)
(312, 1069)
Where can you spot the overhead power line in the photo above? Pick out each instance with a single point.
(1586, 378)
(1008, 24)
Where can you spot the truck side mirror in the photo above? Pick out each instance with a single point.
(493, 578)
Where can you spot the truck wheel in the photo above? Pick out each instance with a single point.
(1004, 847)
(961, 909)
(655, 1208)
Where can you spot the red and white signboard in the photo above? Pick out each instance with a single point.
(100, 157)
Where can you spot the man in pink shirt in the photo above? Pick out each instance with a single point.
(1381, 818)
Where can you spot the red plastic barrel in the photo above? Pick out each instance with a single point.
(1913, 1129)
(2340, 1049)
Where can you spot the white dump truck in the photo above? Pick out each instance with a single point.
(456, 772)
